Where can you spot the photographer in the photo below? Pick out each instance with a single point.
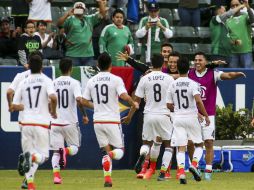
(153, 32)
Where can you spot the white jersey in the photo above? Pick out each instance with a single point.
(153, 87)
(67, 90)
(104, 89)
(181, 94)
(15, 84)
(33, 93)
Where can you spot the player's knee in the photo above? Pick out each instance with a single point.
(208, 144)
(73, 150)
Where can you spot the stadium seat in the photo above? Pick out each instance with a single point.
(2, 12)
(56, 13)
(167, 14)
(176, 18)
(8, 61)
(206, 48)
(8, 11)
(54, 62)
(185, 34)
(65, 10)
(183, 48)
(204, 34)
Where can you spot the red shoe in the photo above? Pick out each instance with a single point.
(62, 160)
(108, 181)
(178, 174)
(168, 175)
(149, 173)
(30, 186)
(141, 174)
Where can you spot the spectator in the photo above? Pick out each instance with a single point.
(40, 10)
(189, 13)
(221, 43)
(120, 4)
(19, 12)
(97, 29)
(79, 28)
(166, 50)
(153, 31)
(59, 41)
(8, 40)
(241, 39)
(28, 43)
(116, 37)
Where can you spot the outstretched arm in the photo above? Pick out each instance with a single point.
(232, 75)
(134, 107)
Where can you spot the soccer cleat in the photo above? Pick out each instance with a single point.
(57, 180)
(141, 174)
(62, 160)
(20, 165)
(167, 175)
(30, 186)
(195, 172)
(27, 162)
(138, 166)
(108, 181)
(182, 179)
(162, 177)
(24, 184)
(208, 176)
(149, 173)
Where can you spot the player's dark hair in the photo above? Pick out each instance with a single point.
(157, 60)
(201, 53)
(175, 54)
(118, 11)
(65, 65)
(35, 64)
(29, 22)
(37, 52)
(104, 61)
(183, 65)
(166, 45)
(42, 22)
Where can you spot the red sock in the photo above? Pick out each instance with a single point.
(67, 151)
(153, 165)
(195, 164)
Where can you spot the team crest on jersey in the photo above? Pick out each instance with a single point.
(202, 92)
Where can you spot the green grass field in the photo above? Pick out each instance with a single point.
(125, 179)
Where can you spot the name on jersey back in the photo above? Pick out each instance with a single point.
(63, 83)
(159, 77)
(103, 78)
(182, 84)
(34, 80)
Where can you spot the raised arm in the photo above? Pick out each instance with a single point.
(232, 75)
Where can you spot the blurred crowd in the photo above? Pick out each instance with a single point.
(82, 35)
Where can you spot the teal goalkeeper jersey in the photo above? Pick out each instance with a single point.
(240, 29)
(113, 40)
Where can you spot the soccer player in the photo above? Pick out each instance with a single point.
(32, 97)
(65, 128)
(157, 126)
(104, 89)
(183, 99)
(208, 79)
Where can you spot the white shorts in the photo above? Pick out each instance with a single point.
(109, 134)
(68, 133)
(209, 131)
(157, 125)
(184, 129)
(35, 139)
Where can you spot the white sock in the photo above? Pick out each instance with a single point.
(30, 174)
(180, 157)
(144, 149)
(55, 160)
(73, 150)
(155, 151)
(209, 167)
(166, 159)
(197, 154)
(117, 153)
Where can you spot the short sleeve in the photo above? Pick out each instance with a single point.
(17, 96)
(50, 87)
(87, 92)
(196, 89)
(77, 89)
(140, 91)
(217, 75)
(15, 82)
(120, 87)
